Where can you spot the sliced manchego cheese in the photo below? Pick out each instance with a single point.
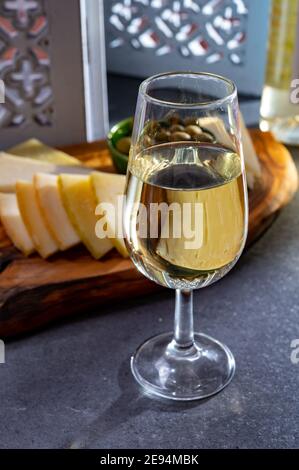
(55, 215)
(109, 188)
(15, 168)
(32, 216)
(217, 127)
(36, 150)
(13, 223)
(252, 163)
(80, 203)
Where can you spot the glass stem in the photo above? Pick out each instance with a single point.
(183, 320)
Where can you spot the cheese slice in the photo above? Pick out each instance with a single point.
(109, 189)
(32, 216)
(252, 163)
(36, 150)
(216, 126)
(13, 223)
(16, 168)
(80, 203)
(55, 215)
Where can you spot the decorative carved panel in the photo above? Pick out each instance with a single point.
(149, 36)
(52, 64)
(25, 64)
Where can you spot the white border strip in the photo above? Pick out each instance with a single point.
(94, 68)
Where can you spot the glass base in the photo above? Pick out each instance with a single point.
(167, 371)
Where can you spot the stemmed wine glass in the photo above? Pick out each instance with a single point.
(185, 219)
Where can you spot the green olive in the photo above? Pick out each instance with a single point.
(152, 127)
(189, 121)
(162, 136)
(123, 145)
(193, 130)
(164, 124)
(205, 137)
(179, 136)
(174, 119)
(177, 128)
(146, 141)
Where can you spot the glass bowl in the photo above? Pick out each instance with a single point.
(118, 131)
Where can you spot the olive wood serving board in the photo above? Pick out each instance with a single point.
(35, 292)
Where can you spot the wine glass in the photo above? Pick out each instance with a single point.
(185, 219)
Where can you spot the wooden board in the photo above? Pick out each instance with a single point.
(35, 292)
(277, 186)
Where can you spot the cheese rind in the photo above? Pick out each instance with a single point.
(33, 219)
(55, 215)
(80, 203)
(13, 224)
(36, 150)
(109, 188)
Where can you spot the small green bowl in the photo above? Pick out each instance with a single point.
(121, 129)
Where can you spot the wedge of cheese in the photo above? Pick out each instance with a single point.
(217, 127)
(80, 203)
(252, 163)
(13, 223)
(36, 150)
(32, 216)
(109, 189)
(55, 215)
(16, 168)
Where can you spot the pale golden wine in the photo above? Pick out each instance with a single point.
(185, 213)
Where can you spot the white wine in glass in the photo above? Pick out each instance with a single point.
(185, 219)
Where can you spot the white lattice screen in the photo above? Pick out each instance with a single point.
(25, 63)
(224, 36)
